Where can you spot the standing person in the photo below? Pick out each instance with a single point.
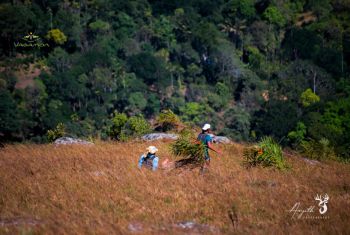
(207, 140)
(149, 159)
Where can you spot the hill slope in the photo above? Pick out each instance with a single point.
(98, 189)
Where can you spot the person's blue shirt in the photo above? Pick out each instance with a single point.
(150, 160)
(205, 139)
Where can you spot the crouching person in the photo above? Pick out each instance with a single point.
(149, 159)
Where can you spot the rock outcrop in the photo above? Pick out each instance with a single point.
(160, 136)
(70, 140)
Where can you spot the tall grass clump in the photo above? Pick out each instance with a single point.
(266, 153)
(187, 147)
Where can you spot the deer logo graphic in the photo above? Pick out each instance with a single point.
(323, 203)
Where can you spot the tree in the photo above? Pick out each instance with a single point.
(321, 7)
(163, 29)
(308, 97)
(124, 25)
(243, 9)
(148, 67)
(274, 16)
(118, 122)
(57, 36)
(137, 102)
(9, 124)
(99, 26)
(237, 123)
(205, 37)
(59, 59)
(277, 119)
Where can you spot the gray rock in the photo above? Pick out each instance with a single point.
(191, 226)
(70, 140)
(221, 139)
(159, 136)
(311, 162)
(19, 222)
(185, 227)
(135, 227)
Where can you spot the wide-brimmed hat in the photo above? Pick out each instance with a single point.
(152, 149)
(206, 127)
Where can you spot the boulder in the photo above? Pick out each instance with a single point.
(159, 136)
(311, 162)
(221, 139)
(70, 140)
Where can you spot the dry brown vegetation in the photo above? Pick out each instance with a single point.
(99, 190)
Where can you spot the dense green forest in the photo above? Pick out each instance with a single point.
(251, 68)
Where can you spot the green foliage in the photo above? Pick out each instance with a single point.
(237, 122)
(308, 97)
(137, 102)
(206, 36)
(319, 150)
(57, 36)
(194, 112)
(167, 120)
(279, 118)
(298, 135)
(118, 122)
(136, 126)
(148, 67)
(56, 133)
(187, 147)
(124, 25)
(320, 7)
(163, 30)
(238, 64)
(273, 15)
(240, 8)
(59, 59)
(255, 57)
(124, 128)
(332, 124)
(99, 26)
(8, 114)
(266, 153)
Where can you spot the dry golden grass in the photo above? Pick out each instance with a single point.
(99, 190)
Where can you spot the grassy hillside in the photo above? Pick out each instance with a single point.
(99, 190)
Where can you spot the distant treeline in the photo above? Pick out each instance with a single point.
(249, 67)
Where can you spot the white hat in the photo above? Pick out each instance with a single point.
(152, 149)
(206, 127)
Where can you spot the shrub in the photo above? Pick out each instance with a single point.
(118, 121)
(56, 133)
(308, 97)
(167, 120)
(135, 127)
(189, 148)
(319, 150)
(266, 153)
(57, 36)
(124, 128)
(297, 136)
